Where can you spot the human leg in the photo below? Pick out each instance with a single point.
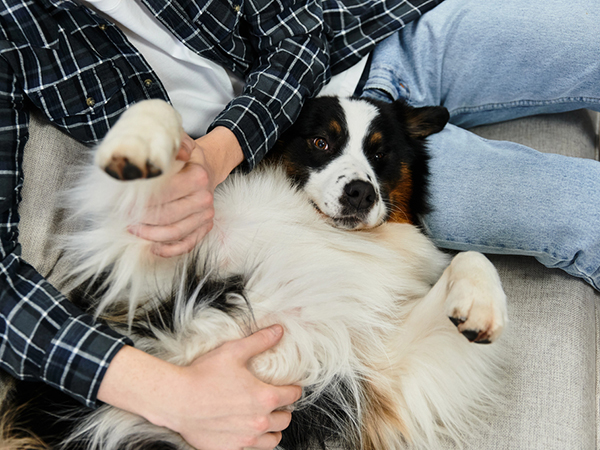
(504, 198)
(495, 60)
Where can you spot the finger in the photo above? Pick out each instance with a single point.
(267, 441)
(190, 179)
(171, 249)
(288, 395)
(174, 232)
(279, 420)
(200, 204)
(258, 342)
(172, 212)
(186, 148)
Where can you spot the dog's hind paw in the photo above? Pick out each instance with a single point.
(476, 303)
(143, 143)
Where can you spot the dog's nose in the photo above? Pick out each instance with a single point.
(360, 194)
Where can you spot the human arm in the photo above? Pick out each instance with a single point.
(215, 403)
(291, 61)
(42, 335)
(150, 369)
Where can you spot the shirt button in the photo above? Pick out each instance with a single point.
(237, 8)
(148, 82)
(102, 26)
(90, 101)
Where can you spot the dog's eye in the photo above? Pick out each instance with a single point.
(320, 144)
(378, 156)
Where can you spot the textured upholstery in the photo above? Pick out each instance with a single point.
(50, 164)
(552, 377)
(552, 373)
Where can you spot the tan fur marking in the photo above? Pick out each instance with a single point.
(335, 127)
(376, 138)
(381, 423)
(16, 439)
(400, 196)
(283, 160)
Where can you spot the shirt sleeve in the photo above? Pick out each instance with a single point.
(43, 336)
(292, 64)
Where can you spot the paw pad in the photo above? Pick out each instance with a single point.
(476, 336)
(122, 168)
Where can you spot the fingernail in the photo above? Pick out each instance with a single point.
(277, 330)
(133, 229)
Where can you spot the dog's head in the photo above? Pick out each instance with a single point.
(361, 162)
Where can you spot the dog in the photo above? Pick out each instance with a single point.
(381, 326)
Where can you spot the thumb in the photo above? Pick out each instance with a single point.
(186, 148)
(259, 342)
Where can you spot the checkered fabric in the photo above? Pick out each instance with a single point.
(80, 71)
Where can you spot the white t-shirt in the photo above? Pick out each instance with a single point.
(198, 88)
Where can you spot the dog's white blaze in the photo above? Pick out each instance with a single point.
(327, 186)
(359, 116)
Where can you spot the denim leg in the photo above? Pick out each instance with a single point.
(492, 61)
(504, 198)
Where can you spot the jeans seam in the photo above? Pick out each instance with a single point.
(597, 129)
(518, 251)
(520, 103)
(397, 89)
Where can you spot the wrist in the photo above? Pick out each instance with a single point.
(221, 153)
(134, 382)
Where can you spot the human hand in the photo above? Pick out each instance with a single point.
(182, 214)
(215, 403)
(225, 406)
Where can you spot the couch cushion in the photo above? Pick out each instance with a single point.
(551, 374)
(570, 134)
(50, 164)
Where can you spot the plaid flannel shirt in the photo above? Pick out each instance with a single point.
(80, 71)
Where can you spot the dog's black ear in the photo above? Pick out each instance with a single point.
(423, 122)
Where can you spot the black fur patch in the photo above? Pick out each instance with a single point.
(324, 423)
(44, 412)
(200, 287)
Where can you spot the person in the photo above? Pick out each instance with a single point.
(81, 64)
(241, 71)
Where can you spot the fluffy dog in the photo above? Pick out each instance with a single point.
(366, 312)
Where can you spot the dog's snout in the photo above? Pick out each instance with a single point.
(360, 194)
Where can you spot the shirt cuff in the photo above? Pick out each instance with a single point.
(253, 125)
(79, 355)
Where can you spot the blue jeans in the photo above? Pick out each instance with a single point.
(489, 61)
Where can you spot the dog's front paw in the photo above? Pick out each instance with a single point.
(143, 143)
(121, 168)
(476, 303)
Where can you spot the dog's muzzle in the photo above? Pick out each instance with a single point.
(356, 205)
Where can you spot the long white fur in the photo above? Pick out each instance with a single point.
(370, 305)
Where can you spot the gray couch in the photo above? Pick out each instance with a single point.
(552, 375)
